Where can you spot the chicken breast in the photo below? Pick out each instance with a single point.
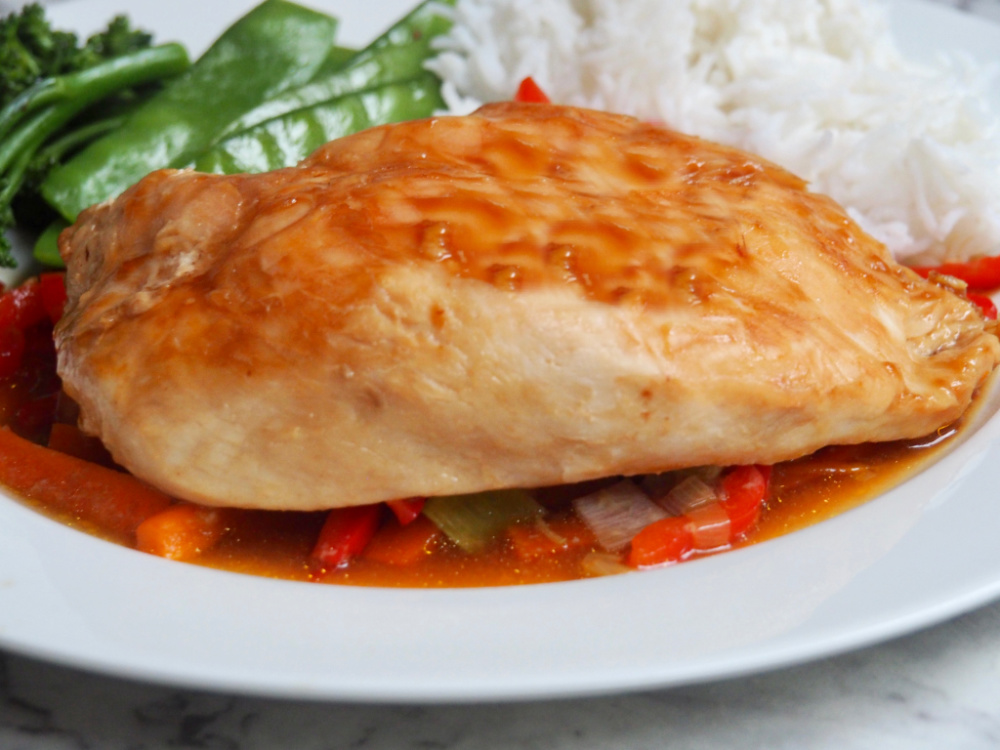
(527, 296)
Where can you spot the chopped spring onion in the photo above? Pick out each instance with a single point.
(473, 521)
(549, 533)
(617, 513)
(692, 492)
(658, 485)
(603, 564)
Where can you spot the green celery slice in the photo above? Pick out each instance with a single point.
(473, 521)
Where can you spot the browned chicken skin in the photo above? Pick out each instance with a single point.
(527, 296)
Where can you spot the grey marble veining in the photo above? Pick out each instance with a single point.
(936, 689)
(985, 8)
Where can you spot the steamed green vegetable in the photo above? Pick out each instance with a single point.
(31, 50)
(473, 521)
(286, 140)
(271, 90)
(397, 55)
(50, 87)
(277, 46)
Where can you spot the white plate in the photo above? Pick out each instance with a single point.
(921, 553)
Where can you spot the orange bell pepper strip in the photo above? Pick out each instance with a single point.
(531, 542)
(399, 545)
(112, 501)
(182, 532)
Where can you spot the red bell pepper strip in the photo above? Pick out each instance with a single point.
(981, 274)
(744, 489)
(743, 492)
(22, 306)
(406, 509)
(12, 346)
(665, 541)
(985, 304)
(530, 92)
(345, 534)
(52, 289)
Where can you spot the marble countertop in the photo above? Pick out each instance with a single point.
(939, 688)
(936, 689)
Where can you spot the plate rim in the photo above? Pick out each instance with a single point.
(19, 637)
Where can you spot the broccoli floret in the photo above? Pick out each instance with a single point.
(118, 39)
(31, 49)
(51, 89)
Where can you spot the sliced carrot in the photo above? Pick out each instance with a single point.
(182, 532)
(111, 500)
(533, 541)
(396, 544)
(69, 439)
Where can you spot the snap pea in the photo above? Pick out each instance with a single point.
(398, 54)
(46, 249)
(277, 46)
(335, 60)
(286, 140)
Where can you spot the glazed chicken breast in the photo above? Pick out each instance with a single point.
(527, 296)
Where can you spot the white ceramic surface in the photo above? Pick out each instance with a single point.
(914, 556)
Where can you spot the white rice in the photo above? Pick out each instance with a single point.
(816, 86)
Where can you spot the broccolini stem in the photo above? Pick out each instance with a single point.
(85, 87)
(13, 178)
(29, 137)
(40, 113)
(78, 136)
